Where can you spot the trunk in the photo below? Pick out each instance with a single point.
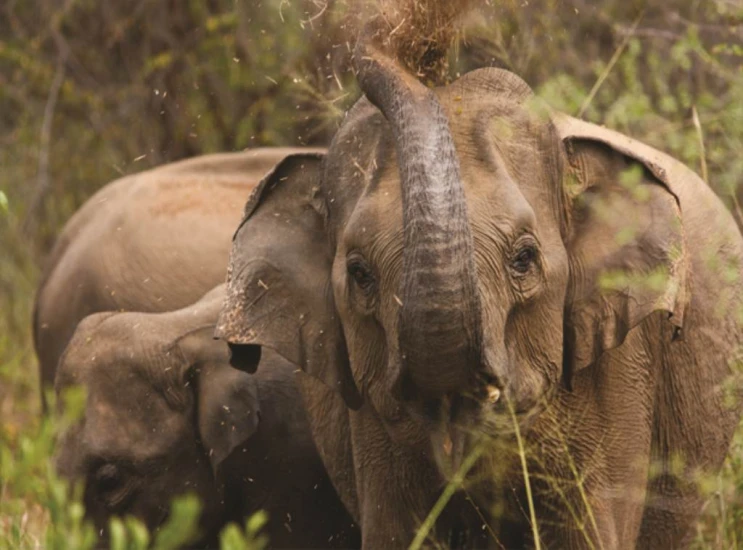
(439, 324)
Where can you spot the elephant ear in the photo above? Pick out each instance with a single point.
(229, 409)
(626, 244)
(279, 293)
(228, 406)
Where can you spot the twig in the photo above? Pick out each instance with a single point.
(312, 19)
(651, 33)
(281, 6)
(485, 522)
(527, 482)
(449, 490)
(610, 66)
(723, 510)
(42, 175)
(738, 209)
(700, 137)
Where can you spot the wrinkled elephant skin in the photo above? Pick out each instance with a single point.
(165, 415)
(464, 263)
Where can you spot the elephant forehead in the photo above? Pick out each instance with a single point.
(509, 154)
(495, 201)
(133, 424)
(498, 144)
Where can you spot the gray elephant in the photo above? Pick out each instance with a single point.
(166, 414)
(153, 241)
(467, 271)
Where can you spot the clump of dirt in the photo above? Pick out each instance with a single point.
(419, 33)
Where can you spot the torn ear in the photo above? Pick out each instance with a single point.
(626, 245)
(278, 281)
(245, 357)
(228, 408)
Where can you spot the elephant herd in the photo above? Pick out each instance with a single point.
(465, 288)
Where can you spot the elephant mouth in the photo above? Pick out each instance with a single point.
(469, 427)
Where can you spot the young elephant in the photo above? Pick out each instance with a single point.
(166, 414)
(152, 241)
(463, 267)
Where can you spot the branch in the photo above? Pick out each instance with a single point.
(42, 174)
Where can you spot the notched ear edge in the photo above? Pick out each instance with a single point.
(245, 357)
(572, 129)
(278, 276)
(675, 296)
(660, 165)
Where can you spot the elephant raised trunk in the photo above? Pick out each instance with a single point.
(439, 319)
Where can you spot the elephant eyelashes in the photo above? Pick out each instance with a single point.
(109, 482)
(108, 477)
(524, 259)
(361, 274)
(523, 266)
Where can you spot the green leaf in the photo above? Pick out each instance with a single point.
(231, 538)
(182, 526)
(256, 522)
(139, 534)
(118, 534)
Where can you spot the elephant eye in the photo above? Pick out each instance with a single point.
(360, 272)
(110, 484)
(108, 478)
(524, 259)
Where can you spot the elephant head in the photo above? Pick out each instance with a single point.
(163, 410)
(458, 254)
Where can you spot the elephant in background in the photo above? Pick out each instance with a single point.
(153, 241)
(464, 267)
(166, 414)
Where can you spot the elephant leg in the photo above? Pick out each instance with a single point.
(672, 508)
(396, 483)
(596, 447)
(607, 517)
(686, 450)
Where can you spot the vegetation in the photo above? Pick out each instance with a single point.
(90, 91)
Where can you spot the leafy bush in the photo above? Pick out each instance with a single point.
(40, 509)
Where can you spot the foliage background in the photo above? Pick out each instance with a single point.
(90, 91)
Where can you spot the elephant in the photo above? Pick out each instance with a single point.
(500, 297)
(166, 414)
(134, 245)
